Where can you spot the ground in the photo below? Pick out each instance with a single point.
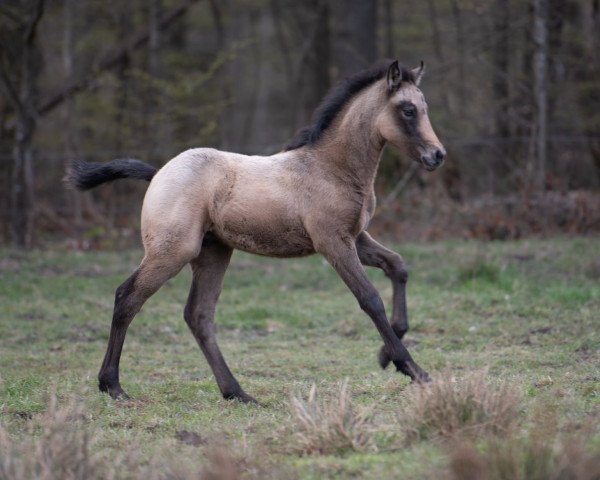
(528, 311)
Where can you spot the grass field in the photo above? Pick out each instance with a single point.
(526, 312)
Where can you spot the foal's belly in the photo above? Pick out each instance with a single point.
(269, 242)
(263, 231)
(257, 207)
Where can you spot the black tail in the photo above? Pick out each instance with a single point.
(84, 175)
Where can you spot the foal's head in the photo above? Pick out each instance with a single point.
(403, 121)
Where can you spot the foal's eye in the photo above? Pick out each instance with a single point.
(409, 112)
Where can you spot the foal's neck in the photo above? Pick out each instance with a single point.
(352, 145)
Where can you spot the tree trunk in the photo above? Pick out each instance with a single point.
(500, 55)
(73, 197)
(21, 199)
(312, 71)
(160, 136)
(500, 87)
(540, 76)
(587, 73)
(19, 85)
(436, 41)
(122, 116)
(389, 29)
(356, 40)
(154, 37)
(436, 38)
(460, 50)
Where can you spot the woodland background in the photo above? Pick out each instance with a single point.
(513, 88)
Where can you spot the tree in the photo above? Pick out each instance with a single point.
(587, 72)
(500, 83)
(355, 40)
(540, 76)
(20, 65)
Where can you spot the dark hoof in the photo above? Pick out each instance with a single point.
(242, 397)
(115, 392)
(384, 358)
(411, 369)
(422, 376)
(422, 380)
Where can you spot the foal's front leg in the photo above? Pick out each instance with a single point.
(373, 254)
(343, 256)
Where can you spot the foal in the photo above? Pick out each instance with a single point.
(314, 197)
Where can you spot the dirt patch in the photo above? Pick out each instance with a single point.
(190, 438)
(88, 332)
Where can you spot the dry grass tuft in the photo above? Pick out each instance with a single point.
(222, 465)
(449, 406)
(330, 427)
(222, 462)
(59, 445)
(56, 445)
(533, 457)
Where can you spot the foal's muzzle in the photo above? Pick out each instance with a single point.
(433, 160)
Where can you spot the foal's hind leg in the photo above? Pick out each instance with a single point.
(152, 273)
(208, 272)
(374, 254)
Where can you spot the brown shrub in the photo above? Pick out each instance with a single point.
(533, 457)
(330, 427)
(448, 406)
(488, 217)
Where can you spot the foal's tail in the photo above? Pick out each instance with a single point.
(85, 175)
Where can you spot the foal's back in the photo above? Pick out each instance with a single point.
(252, 203)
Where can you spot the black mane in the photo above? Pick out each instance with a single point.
(337, 98)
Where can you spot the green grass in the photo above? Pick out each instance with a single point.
(527, 310)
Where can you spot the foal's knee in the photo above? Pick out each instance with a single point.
(396, 269)
(125, 289)
(123, 293)
(373, 306)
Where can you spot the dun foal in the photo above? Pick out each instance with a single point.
(314, 197)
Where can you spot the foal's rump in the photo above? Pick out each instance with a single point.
(174, 213)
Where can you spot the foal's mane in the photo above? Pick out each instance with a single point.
(337, 98)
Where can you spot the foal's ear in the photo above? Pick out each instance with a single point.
(394, 77)
(418, 73)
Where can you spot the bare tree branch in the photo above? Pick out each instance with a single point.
(29, 36)
(9, 13)
(11, 92)
(31, 30)
(401, 185)
(215, 9)
(111, 59)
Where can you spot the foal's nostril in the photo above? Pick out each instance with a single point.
(439, 155)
